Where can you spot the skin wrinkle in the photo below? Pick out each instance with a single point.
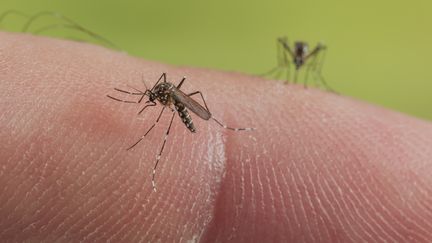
(304, 201)
(295, 174)
(113, 226)
(67, 188)
(48, 204)
(332, 142)
(379, 220)
(271, 197)
(369, 173)
(312, 186)
(82, 187)
(43, 211)
(16, 165)
(103, 237)
(282, 201)
(24, 184)
(86, 172)
(381, 172)
(134, 223)
(387, 201)
(290, 196)
(107, 209)
(167, 204)
(362, 197)
(118, 221)
(113, 157)
(335, 184)
(351, 187)
(124, 226)
(326, 218)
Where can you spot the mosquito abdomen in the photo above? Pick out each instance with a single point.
(184, 115)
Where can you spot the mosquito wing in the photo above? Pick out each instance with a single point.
(191, 104)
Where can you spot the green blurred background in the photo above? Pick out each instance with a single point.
(379, 51)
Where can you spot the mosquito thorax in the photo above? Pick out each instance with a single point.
(162, 92)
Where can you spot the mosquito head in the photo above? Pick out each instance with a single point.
(152, 96)
(162, 93)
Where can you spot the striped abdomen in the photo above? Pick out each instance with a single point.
(184, 115)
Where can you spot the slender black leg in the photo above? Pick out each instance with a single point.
(163, 76)
(145, 134)
(68, 23)
(160, 153)
(308, 69)
(280, 62)
(12, 12)
(284, 49)
(288, 72)
(202, 97)
(151, 104)
(270, 72)
(181, 83)
(218, 122)
(295, 75)
(318, 70)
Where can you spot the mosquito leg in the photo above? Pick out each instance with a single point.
(151, 104)
(233, 128)
(286, 64)
(218, 122)
(288, 74)
(279, 74)
(70, 24)
(295, 76)
(181, 83)
(319, 72)
(308, 69)
(163, 76)
(202, 97)
(145, 134)
(160, 152)
(12, 12)
(280, 61)
(269, 73)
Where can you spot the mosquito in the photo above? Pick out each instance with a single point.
(299, 56)
(66, 23)
(168, 95)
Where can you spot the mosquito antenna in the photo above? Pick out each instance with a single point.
(143, 81)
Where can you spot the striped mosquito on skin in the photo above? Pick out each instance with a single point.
(299, 56)
(168, 95)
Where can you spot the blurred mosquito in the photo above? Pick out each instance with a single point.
(66, 23)
(168, 94)
(299, 56)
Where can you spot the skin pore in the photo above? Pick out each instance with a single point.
(319, 168)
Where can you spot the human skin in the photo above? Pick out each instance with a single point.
(319, 167)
